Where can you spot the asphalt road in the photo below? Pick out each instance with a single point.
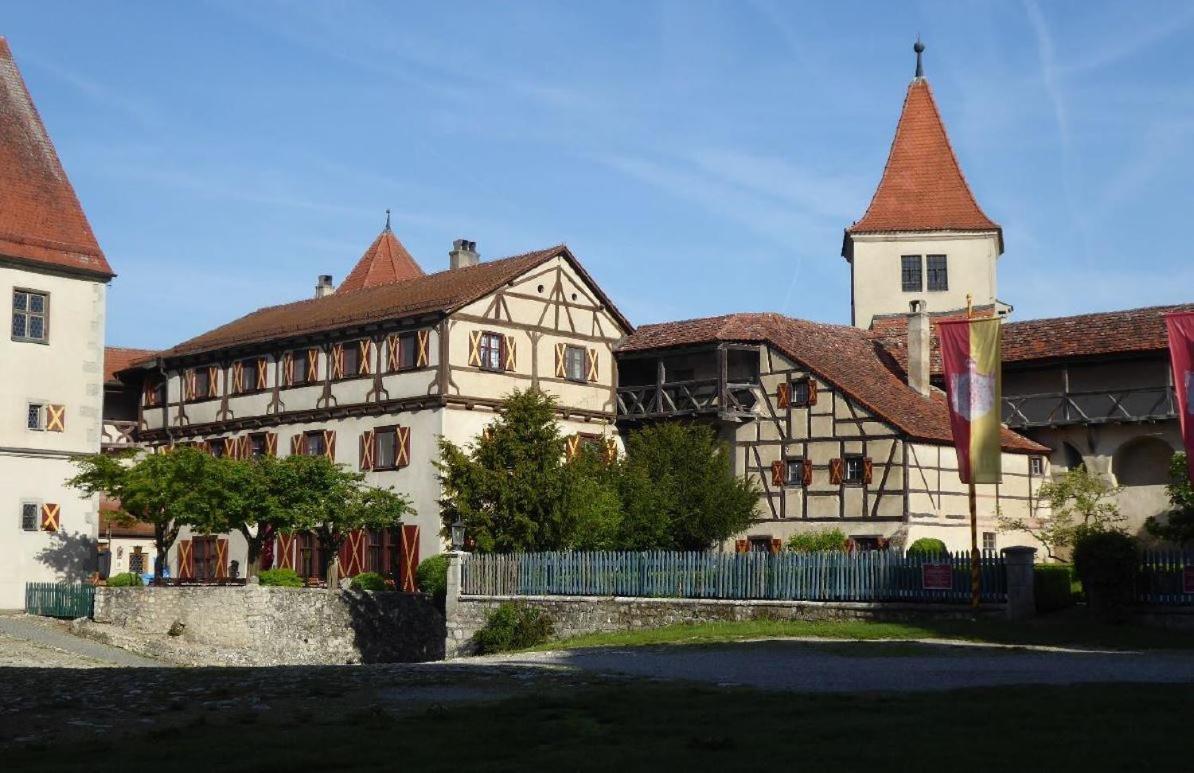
(865, 666)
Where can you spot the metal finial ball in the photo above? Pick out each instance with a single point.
(918, 47)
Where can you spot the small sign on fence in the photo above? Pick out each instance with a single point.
(1188, 579)
(937, 576)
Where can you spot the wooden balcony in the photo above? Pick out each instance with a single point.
(1059, 409)
(687, 398)
(118, 434)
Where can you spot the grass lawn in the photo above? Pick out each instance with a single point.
(1061, 630)
(653, 727)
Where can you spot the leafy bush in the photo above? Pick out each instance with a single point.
(432, 578)
(1053, 586)
(368, 581)
(1106, 562)
(928, 546)
(512, 627)
(281, 578)
(817, 541)
(125, 580)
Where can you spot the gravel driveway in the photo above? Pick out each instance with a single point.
(40, 642)
(865, 666)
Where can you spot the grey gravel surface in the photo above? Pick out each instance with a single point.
(865, 666)
(35, 641)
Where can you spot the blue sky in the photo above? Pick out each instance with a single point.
(699, 157)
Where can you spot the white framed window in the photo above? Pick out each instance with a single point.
(989, 541)
(29, 520)
(30, 316)
(855, 470)
(35, 416)
(574, 364)
(1036, 465)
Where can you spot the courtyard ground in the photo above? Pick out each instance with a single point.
(726, 706)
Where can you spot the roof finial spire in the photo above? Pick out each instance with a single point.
(387, 219)
(919, 48)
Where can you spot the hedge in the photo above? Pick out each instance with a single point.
(1053, 586)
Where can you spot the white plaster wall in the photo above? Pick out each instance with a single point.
(876, 272)
(34, 465)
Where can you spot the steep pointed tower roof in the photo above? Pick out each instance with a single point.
(41, 220)
(386, 261)
(923, 188)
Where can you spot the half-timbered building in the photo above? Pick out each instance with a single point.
(373, 373)
(827, 426)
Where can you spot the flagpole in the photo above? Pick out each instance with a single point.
(975, 587)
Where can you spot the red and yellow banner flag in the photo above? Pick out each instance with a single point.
(1181, 354)
(970, 355)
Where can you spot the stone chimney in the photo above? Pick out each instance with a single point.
(323, 285)
(463, 254)
(919, 347)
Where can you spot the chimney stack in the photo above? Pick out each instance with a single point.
(323, 285)
(919, 346)
(463, 254)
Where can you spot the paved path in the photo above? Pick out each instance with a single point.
(864, 666)
(31, 641)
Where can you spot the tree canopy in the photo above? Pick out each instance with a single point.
(1178, 524)
(1079, 502)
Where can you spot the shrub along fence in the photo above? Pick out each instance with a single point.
(59, 599)
(830, 576)
(1166, 577)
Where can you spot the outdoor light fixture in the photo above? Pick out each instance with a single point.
(458, 534)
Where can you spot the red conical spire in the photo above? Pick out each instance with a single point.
(923, 188)
(385, 262)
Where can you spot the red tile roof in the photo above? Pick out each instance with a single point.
(117, 358)
(110, 522)
(1089, 335)
(923, 188)
(41, 220)
(844, 356)
(891, 333)
(386, 261)
(443, 292)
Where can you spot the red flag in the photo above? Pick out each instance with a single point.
(970, 356)
(1181, 354)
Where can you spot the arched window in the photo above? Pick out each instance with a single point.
(1142, 462)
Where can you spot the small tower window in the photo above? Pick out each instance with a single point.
(910, 274)
(938, 273)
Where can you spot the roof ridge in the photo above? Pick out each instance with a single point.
(1134, 310)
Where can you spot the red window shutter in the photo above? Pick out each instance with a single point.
(836, 470)
(230, 447)
(352, 553)
(284, 553)
(777, 473)
(312, 364)
(868, 470)
(807, 472)
(509, 355)
(50, 516)
(186, 564)
(812, 391)
(611, 450)
(423, 355)
(296, 444)
(288, 368)
(474, 348)
(571, 447)
(238, 377)
(777, 546)
(393, 352)
(337, 361)
(188, 384)
(329, 444)
(56, 418)
(221, 558)
(591, 364)
(410, 558)
(365, 366)
(561, 354)
(366, 450)
(783, 394)
(271, 444)
(262, 373)
(213, 381)
(402, 446)
(741, 546)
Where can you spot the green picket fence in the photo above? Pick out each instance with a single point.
(1165, 577)
(59, 599)
(831, 576)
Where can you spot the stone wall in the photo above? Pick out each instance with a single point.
(576, 615)
(256, 625)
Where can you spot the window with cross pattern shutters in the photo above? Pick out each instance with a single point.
(491, 351)
(574, 364)
(314, 443)
(203, 557)
(385, 455)
(855, 470)
(35, 416)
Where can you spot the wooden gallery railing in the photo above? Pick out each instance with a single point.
(679, 398)
(1053, 409)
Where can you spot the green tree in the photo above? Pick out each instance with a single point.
(166, 489)
(593, 499)
(510, 486)
(249, 503)
(1079, 502)
(679, 490)
(1178, 526)
(314, 494)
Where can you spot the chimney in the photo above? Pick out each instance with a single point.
(919, 345)
(463, 254)
(323, 285)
